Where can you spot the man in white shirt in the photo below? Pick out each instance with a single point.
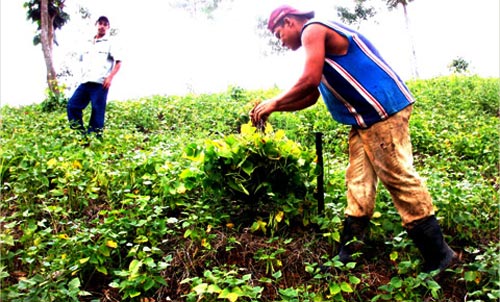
(101, 61)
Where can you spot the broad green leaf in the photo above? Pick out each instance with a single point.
(247, 129)
(279, 135)
(104, 250)
(141, 239)
(277, 275)
(279, 216)
(102, 270)
(354, 280)
(248, 167)
(187, 173)
(470, 276)
(336, 236)
(346, 287)
(74, 283)
(77, 165)
(228, 294)
(213, 289)
(394, 256)
(396, 282)
(238, 187)
(134, 293)
(7, 239)
(148, 284)
(52, 162)
(150, 262)
(255, 227)
(134, 267)
(433, 285)
(200, 288)
(334, 289)
(111, 244)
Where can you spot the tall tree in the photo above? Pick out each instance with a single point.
(360, 13)
(195, 7)
(392, 4)
(459, 65)
(49, 16)
(271, 44)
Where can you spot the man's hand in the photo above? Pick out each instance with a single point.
(107, 82)
(260, 113)
(109, 78)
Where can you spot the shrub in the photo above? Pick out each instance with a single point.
(253, 175)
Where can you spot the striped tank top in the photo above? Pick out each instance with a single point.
(360, 88)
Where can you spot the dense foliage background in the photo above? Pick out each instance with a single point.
(184, 201)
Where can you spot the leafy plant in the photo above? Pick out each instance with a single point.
(220, 283)
(408, 289)
(483, 276)
(182, 188)
(56, 100)
(250, 175)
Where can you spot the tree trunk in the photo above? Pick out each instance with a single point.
(47, 40)
(412, 44)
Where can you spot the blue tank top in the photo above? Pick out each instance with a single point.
(360, 88)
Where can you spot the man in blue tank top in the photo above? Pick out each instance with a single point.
(360, 89)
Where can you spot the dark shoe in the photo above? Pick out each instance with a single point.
(353, 234)
(85, 141)
(77, 127)
(428, 237)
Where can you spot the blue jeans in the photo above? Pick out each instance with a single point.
(84, 94)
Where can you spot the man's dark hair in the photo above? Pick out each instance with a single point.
(102, 19)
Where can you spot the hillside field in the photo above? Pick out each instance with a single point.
(183, 200)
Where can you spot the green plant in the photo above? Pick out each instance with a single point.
(242, 173)
(144, 209)
(459, 65)
(340, 284)
(142, 275)
(482, 276)
(270, 258)
(409, 289)
(219, 283)
(54, 101)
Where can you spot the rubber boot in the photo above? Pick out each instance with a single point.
(354, 228)
(428, 237)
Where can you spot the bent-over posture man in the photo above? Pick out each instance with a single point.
(360, 89)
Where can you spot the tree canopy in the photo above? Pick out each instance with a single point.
(360, 13)
(55, 12)
(195, 7)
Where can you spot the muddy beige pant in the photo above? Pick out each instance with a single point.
(383, 152)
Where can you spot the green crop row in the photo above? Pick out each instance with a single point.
(184, 200)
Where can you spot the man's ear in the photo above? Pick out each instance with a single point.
(287, 21)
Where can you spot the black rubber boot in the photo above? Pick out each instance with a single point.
(428, 237)
(354, 228)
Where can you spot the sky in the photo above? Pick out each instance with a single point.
(168, 52)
